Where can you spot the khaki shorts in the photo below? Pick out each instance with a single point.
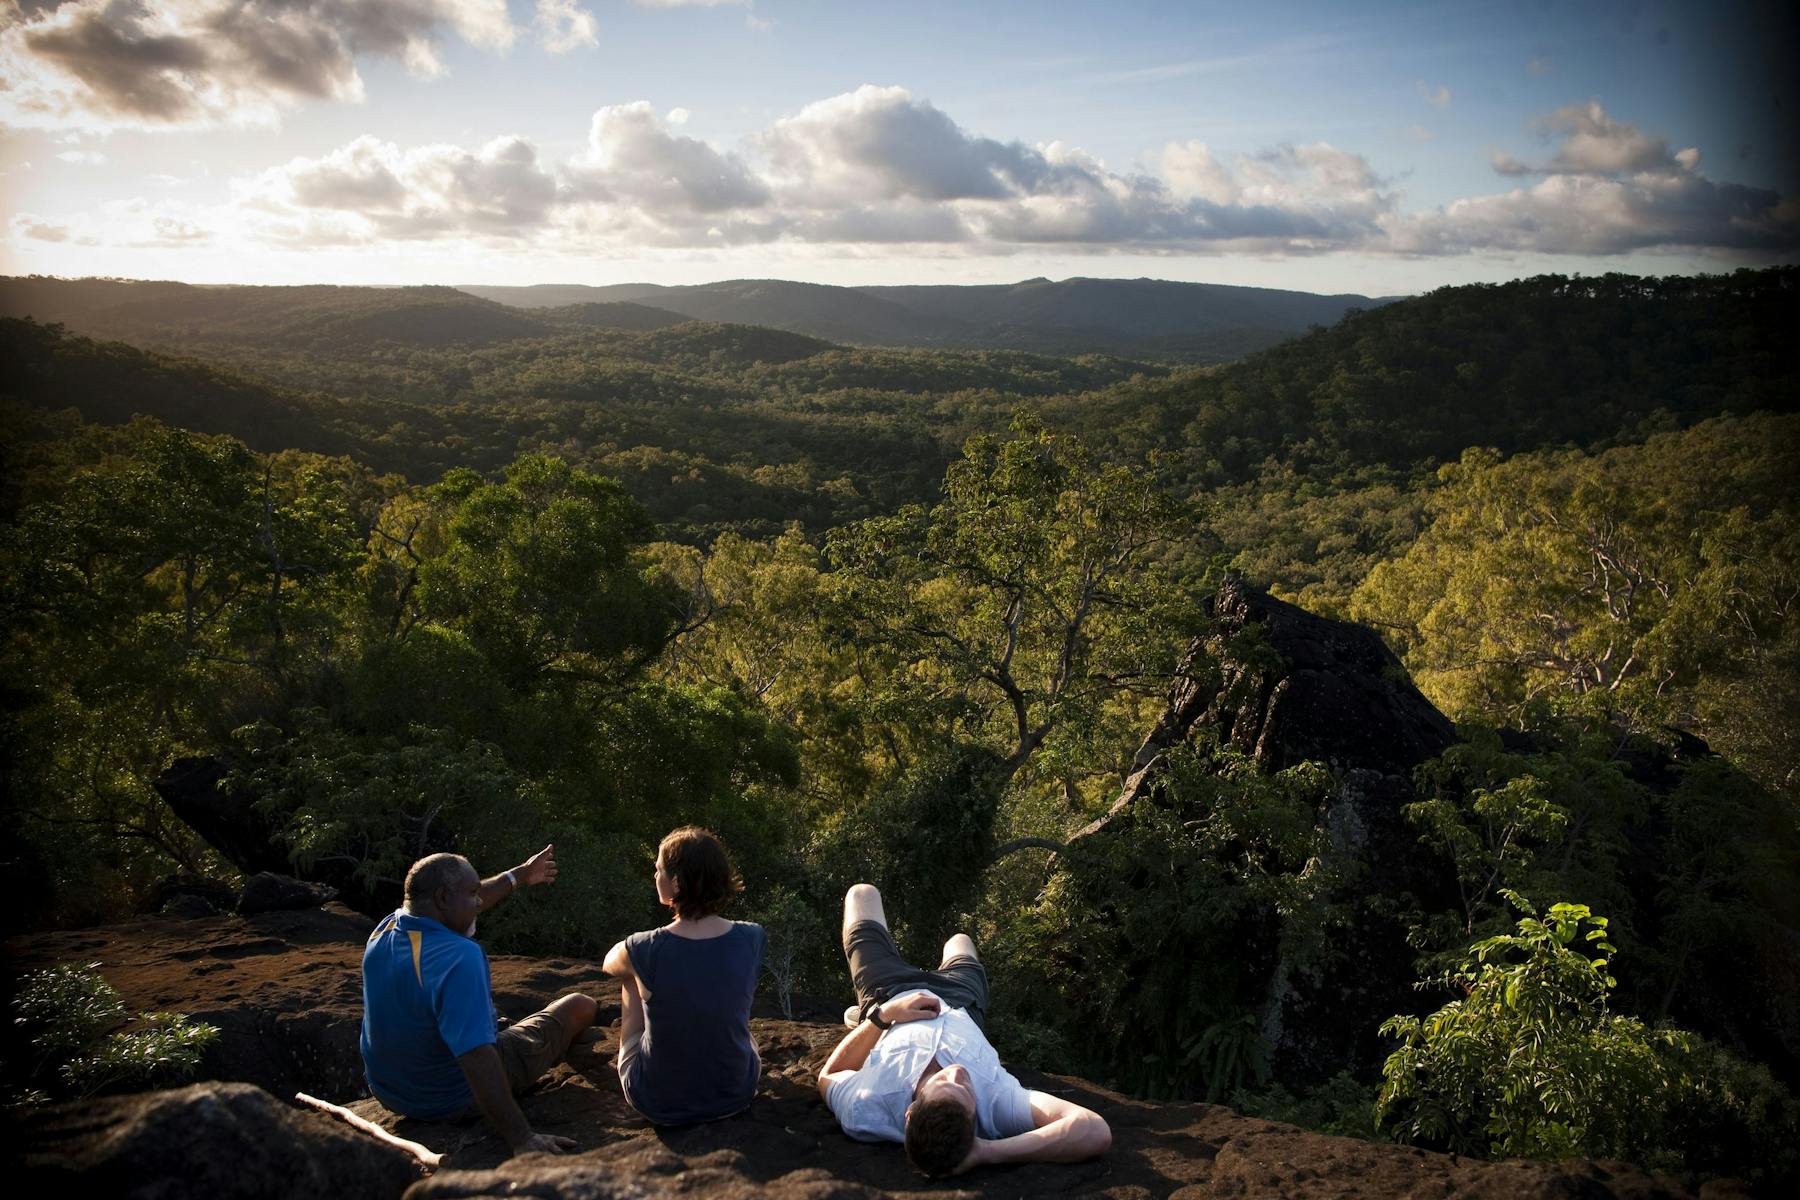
(531, 1047)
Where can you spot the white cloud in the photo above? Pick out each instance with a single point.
(1505, 164)
(372, 189)
(86, 157)
(1585, 214)
(126, 224)
(879, 171)
(103, 64)
(1437, 97)
(678, 116)
(1609, 188)
(633, 159)
(1596, 144)
(563, 25)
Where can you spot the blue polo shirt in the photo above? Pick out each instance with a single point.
(426, 1002)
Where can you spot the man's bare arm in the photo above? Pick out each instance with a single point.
(1066, 1132)
(851, 1053)
(487, 1081)
(539, 868)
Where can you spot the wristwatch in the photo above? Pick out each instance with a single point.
(872, 1014)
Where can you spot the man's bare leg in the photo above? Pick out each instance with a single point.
(574, 1013)
(960, 945)
(861, 903)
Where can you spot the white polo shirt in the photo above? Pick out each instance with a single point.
(871, 1104)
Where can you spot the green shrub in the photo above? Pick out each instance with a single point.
(66, 1013)
(1529, 1062)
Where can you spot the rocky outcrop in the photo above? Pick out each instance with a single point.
(285, 986)
(198, 791)
(1284, 686)
(218, 1140)
(266, 891)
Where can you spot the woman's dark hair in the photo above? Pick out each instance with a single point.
(939, 1135)
(703, 877)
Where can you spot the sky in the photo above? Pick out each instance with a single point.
(1374, 148)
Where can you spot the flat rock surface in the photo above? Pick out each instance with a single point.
(285, 989)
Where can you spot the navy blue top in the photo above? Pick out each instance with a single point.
(696, 1061)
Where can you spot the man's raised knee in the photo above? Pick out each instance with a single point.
(863, 903)
(960, 945)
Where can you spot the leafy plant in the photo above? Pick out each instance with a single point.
(1529, 1062)
(66, 1013)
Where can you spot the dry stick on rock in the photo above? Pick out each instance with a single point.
(424, 1154)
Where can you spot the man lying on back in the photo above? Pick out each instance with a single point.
(917, 1068)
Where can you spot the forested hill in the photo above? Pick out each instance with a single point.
(734, 427)
(1516, 366)
(1135, 318)
(184, 317)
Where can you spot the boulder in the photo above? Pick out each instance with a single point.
(266, 891)
(227, 817)
(217, 1140)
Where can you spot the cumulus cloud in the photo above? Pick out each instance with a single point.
(1609, 188)
(1583, 214)
(878, 143)
(372, 189)
(85, 157)
(1596, 144)
(187, 63)
(879, 169)
(563, 25)
(633, 159)
(127, 224)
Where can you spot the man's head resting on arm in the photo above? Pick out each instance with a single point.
(940, 1122)
(939, 1135)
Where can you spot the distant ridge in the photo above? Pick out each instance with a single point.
(1134, 318)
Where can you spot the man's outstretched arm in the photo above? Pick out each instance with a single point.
(487, 1081)
(1066, 1132)
(539, 868)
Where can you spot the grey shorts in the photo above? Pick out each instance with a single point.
(877, 972)
(531, 1047)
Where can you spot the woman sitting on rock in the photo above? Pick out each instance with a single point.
(685, 1053)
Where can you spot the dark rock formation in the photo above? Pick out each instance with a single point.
(217, 1140)
(266, 891)
(1291, 687)
(227, 818)
(207, 895)
(301, 969)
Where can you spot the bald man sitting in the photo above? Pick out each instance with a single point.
(431, 1045)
